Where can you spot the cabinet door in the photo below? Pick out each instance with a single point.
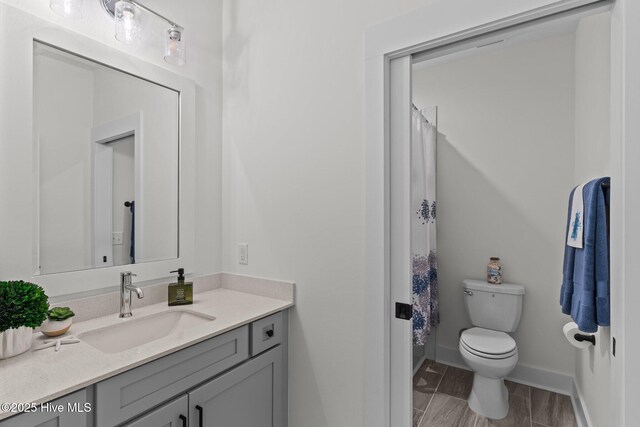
(68, 411)
(247, 396)
(172, 414)
(132, 393)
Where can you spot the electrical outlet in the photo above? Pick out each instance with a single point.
(243, 253)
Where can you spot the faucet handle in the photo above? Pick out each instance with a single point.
(125, 278)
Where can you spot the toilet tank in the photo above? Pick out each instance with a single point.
(496, 307)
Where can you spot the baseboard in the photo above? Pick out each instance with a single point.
(580, 407)
(417, 366)
(529, 375)
(450, 356)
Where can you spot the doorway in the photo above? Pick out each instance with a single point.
(117, 204)
(522, 120)
(389, 47)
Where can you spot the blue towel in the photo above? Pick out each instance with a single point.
(585, 285)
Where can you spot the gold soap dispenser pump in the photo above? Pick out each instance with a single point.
(181, 292)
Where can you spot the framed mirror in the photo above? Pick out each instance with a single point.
(85, 128)
(107, 147)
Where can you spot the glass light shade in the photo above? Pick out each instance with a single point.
(67, 8)
(174, 47)
(128, 25)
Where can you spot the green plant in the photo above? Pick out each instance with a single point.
(60, 313)
(22, 304)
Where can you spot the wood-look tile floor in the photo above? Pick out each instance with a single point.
(440, 400)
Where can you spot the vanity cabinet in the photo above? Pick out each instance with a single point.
(138, 390)
(69, 412)
(237, 379)
(248, 396)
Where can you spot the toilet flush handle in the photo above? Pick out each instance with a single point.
(468, 293)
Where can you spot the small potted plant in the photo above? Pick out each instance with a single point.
(58, 321)
(23, 306)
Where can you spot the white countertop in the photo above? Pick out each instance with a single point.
(40, 376)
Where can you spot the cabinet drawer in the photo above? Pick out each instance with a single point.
(74, 413)
(173, 414)
(131, 393)
(266, 333)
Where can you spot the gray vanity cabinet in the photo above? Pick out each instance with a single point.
(248, 396)
(126, 396)
(237, 379)
(172, 414)
(70, 415)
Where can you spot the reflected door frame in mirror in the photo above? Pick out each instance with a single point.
(102, 180)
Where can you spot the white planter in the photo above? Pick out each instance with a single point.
(53, 328)
(15, 341)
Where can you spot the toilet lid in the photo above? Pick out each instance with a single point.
(487, 341)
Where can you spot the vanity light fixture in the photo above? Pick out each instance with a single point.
(128, 16)
(67, 8)
(128, 22)
(174, 46)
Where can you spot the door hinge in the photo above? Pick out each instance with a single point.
(613, 350)
(404, 311)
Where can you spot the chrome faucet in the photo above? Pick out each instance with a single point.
(125, 293)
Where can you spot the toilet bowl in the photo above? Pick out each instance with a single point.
(491, 355)
(487, 348)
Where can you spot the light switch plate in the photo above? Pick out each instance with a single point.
(243, 253)
(117, 238)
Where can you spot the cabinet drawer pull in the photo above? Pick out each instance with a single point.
(184, 420)
(200, 415)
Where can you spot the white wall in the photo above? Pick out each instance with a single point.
(592, 130)
(202, 20)
(293, 181)
(505, 160)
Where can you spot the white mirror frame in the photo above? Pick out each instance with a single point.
(19, 166)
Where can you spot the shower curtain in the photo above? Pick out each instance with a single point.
(423, 227)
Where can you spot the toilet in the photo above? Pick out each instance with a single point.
(487, 348)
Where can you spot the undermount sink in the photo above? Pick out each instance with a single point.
(135, 332)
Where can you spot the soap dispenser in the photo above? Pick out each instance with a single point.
(181, 292)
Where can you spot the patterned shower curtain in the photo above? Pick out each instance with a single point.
(423, 227)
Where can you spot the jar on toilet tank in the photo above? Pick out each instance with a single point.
(494, 271)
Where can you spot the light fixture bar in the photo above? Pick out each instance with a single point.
(146, 9)
(109, 7)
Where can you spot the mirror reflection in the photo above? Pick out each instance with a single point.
(107, 154)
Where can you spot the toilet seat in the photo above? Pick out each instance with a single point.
(488, 355)
(488, 344)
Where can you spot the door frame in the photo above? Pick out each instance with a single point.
(445, 23)
(102, 195)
